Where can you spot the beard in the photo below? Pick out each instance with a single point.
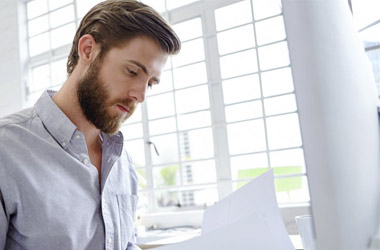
(94, 100)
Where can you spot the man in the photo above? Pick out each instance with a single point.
(65, 180)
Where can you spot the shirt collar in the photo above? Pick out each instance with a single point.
(54, 120)
(59, 125)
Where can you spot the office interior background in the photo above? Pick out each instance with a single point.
(224, 112)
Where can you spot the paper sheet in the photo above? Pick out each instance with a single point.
(249, 218)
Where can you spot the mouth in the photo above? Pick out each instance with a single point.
(122, 108)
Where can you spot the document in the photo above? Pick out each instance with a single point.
(248, 219)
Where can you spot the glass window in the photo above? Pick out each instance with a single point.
(36, 8)
(270, 30)
(236, 39)
(230, 89)
(274, 56)
(246, 137)
(238, 64)
(241, 89)
(233, 15)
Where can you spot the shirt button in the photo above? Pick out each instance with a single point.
(77, 136)
(109, 240)
(85, 161)
(63, 143)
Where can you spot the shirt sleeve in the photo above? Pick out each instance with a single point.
(132, 246)
(3, 223)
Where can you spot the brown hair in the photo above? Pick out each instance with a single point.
(114, 22)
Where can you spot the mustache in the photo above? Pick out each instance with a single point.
(125, 102)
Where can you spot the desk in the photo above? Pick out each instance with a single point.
(156, 238)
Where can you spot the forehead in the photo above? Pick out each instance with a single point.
(144, 50)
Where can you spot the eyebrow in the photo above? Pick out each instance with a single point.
(144, 69)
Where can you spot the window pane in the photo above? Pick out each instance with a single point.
(233, 15)
(244, 111)
(200, 197)
(241, 89)
(160, 106)
(238, 64)
(194, 120)
(196, 144)
(294, 189)
(166, 176)
(288, 161)
(270, 30)
(249, 166)
(365, 12)
(371, 35)
(40, 78)
(36, 8)
(192, 99)
(62, 36)
(246, 137)
(39, 44)
(374, 57)
(265, 8)
(274, 56)
(132, 131)
(142, 181)
(162, 126)
(165, 85)
(189, 29)
(172, 4)
(38, 25)
(58, 72)
(158, 5)
(283, 131)
(167, 147)
(83, 6)
(62, 16)
(236, 39)
(185, 77)
(136, 117)
(192, 51)
(280, 105)
(33, 97)
(135, 149)
(277, 82)
(54, 4)
(201, 172)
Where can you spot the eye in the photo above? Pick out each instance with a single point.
(132, 72)
(151, 83)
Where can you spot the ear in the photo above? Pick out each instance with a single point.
(88, 49)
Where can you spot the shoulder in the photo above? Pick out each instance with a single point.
(18, 118)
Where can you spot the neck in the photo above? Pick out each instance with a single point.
(66, 99)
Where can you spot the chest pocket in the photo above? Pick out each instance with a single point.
(127, 208)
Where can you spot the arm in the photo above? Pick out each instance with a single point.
(3, 223)
(132, 246)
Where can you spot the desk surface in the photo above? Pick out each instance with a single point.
(158, 238)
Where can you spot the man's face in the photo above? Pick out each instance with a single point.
(112, 87)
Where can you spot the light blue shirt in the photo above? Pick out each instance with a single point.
(49, 191)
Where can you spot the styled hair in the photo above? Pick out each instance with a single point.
(114, 22)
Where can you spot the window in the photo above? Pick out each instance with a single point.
(367, 20)
(224, 112)
(51, 28)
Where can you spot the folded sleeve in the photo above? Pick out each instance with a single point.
(4, 222)
(132, 246)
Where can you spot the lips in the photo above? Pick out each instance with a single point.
(123, 108)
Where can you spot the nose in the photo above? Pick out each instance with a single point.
(138, 91)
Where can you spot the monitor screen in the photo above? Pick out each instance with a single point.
(337, 100)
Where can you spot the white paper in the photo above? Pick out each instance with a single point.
(247, 219)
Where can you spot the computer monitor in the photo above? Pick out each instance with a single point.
(337, 101)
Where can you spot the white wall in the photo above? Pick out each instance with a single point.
(12, 55)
